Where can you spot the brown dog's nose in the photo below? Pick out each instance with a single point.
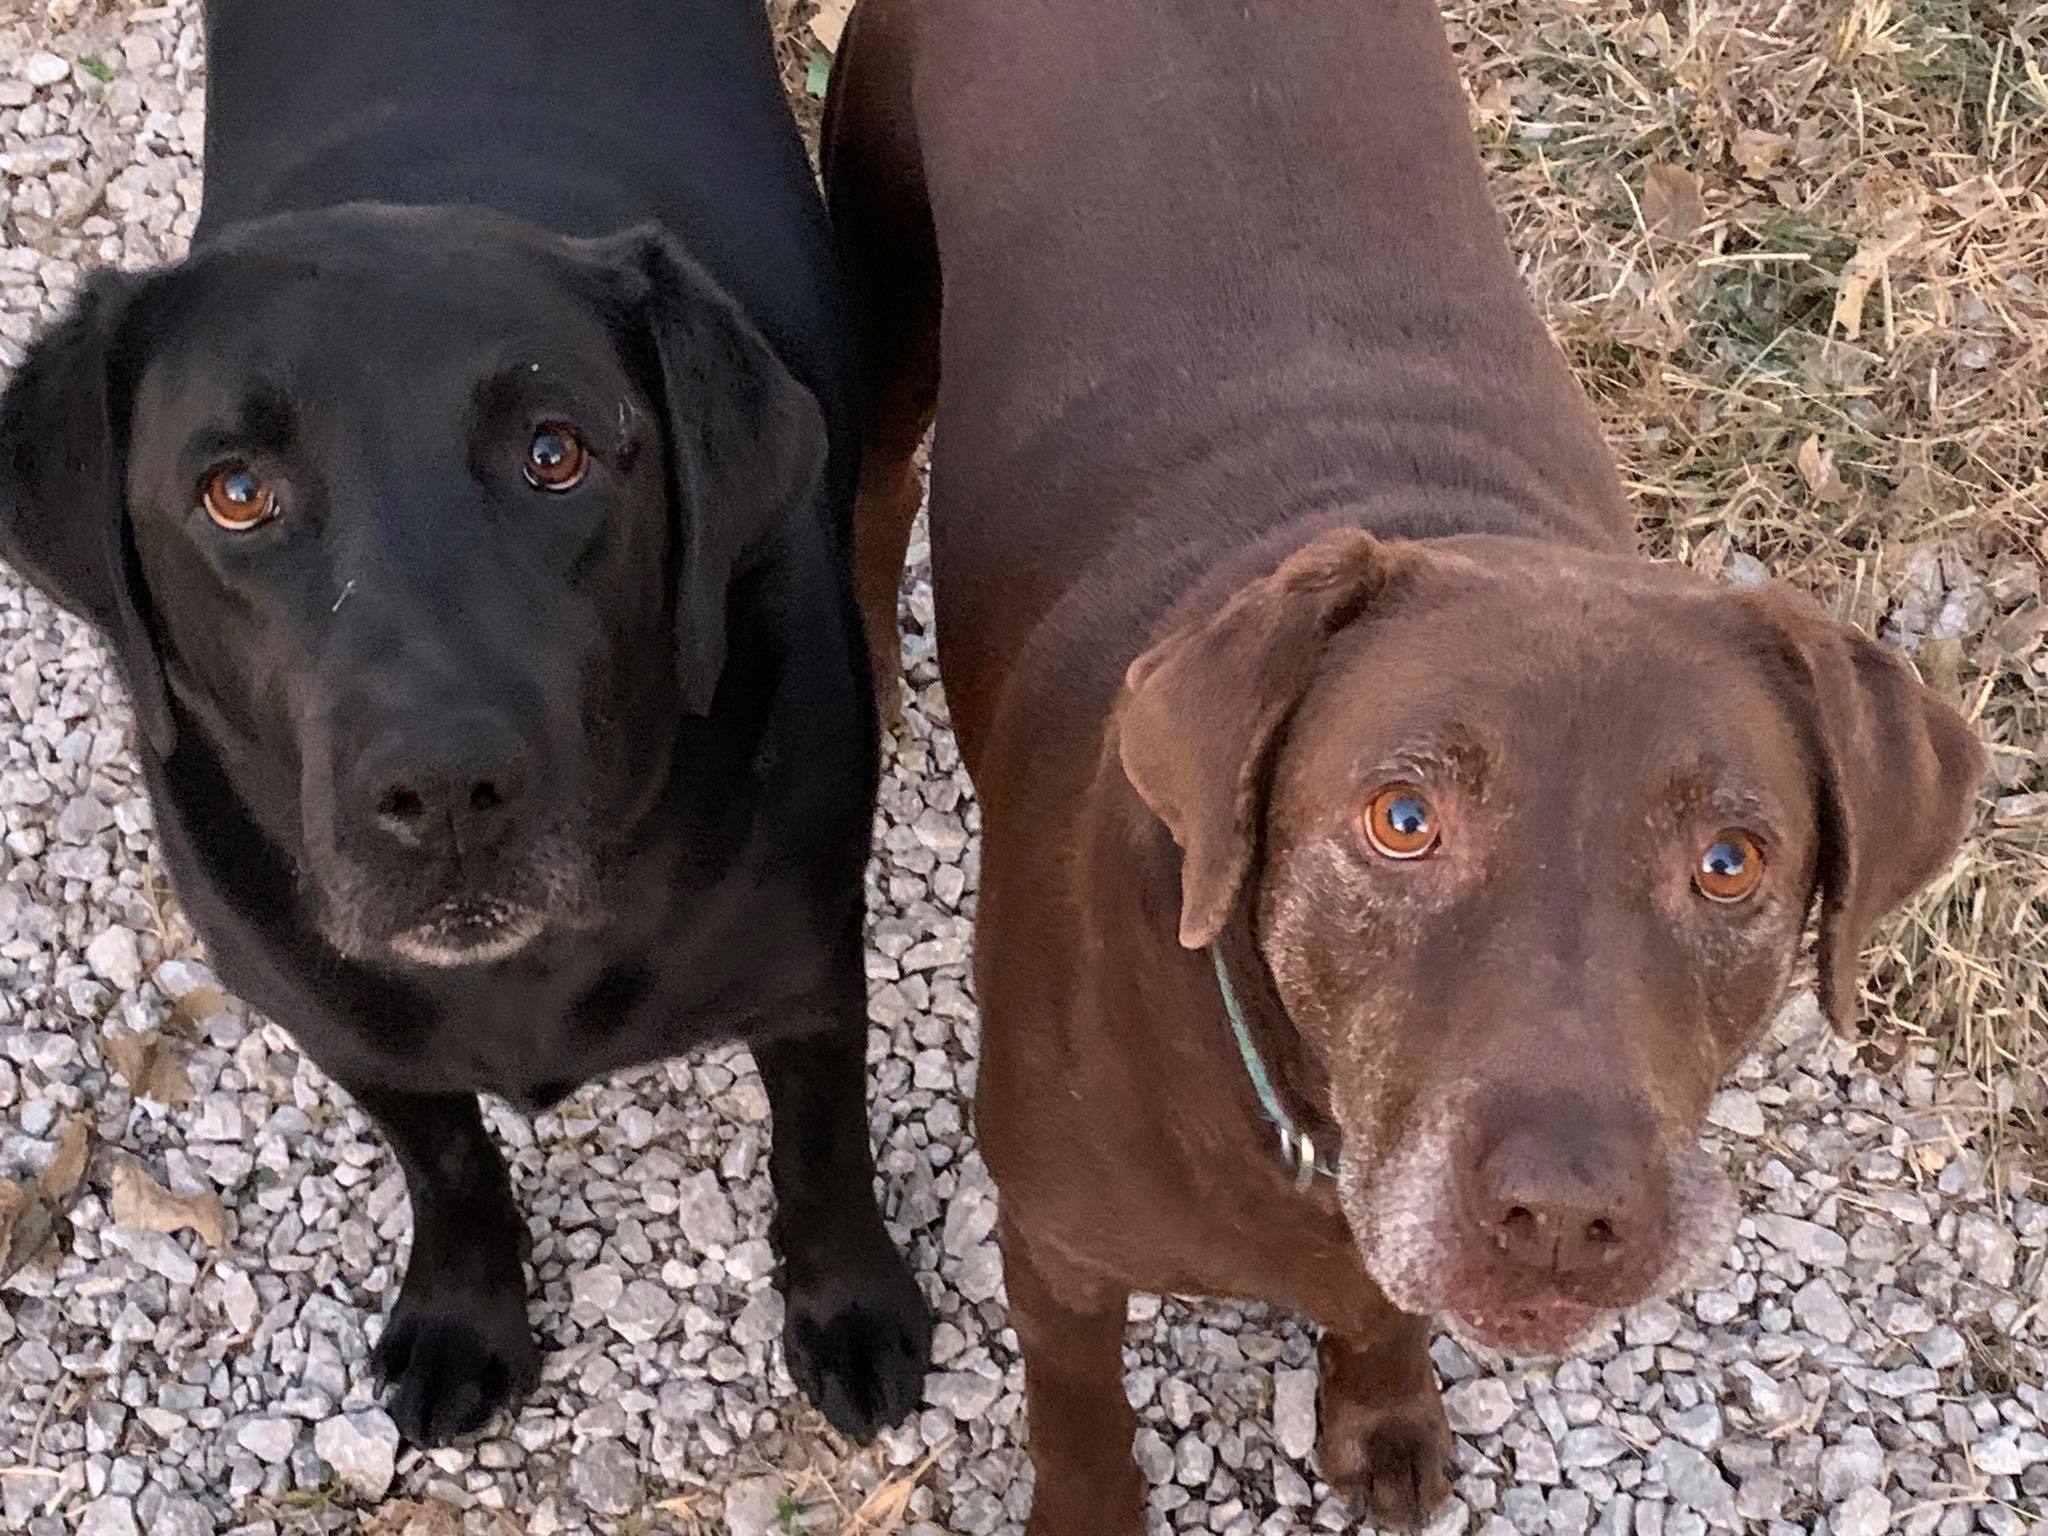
(1565, 1198)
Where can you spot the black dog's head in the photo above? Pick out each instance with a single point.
(425, 521)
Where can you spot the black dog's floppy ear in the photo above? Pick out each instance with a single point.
(63, 497)
(746, 441)
(1897, 773)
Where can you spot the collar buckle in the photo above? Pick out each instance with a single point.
(1300, 1151)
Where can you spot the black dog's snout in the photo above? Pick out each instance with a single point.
(455, 787)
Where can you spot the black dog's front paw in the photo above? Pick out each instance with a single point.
(858, 1342)
(448, 1372)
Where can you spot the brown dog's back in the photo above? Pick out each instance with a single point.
(1164, 323)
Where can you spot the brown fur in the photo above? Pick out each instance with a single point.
(1259, 485)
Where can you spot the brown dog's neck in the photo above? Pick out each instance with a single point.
(1132, 867)
(1297, 1079)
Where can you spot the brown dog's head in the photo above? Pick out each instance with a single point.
(1530, 837)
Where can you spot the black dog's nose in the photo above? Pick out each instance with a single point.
(459, 787)
(1565, 1203)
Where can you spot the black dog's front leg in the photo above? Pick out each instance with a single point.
(858, 1334)
(458, 1345)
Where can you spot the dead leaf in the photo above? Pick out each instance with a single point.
(829, 25)
(199, 1005)
(167, 1082)
(1757, 153)
(882, 1511)
(1838, 365)
(1817, 469)
(1864, 270)
(129, 1056)
(139, 1201)
(414, 1517)
(1496, 102)
(151, 1064)
(1939, 661)
(1970, 198)
(1673, 205)
(32, 1215)
(66, 1168)
(1913, 491)
(2019, 634)
(27, 1222)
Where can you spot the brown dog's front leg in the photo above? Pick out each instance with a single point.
(1384, 1441)
(1071, 1330)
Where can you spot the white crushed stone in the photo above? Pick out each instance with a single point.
(1866, 1512)
(269, 1440)
(753, 1506)
(1867, 1359)
(1294, 1412)
(362, 1448)
(43, 68)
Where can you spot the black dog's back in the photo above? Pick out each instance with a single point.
(320, 102)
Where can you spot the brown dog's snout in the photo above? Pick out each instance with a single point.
(456, 787)
(1567, 1190)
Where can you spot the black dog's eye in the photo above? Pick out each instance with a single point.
(556, 458)
(236, 497)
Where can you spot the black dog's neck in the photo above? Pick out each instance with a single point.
(572, 114)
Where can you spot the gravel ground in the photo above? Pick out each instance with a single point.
(187, 1350)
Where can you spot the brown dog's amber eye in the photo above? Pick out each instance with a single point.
(1731, 867)
(1400, 822)
(555, 459)
(236, 497)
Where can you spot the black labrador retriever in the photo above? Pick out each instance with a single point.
(467, 516)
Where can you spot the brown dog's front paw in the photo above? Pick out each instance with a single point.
(1389, 1460)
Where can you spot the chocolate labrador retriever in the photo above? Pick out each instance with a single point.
(1382, 860)
(467, 514)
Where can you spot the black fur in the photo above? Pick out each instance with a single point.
(475, 786)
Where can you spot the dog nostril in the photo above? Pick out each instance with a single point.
(485, 797)
(1599, 1231)
(1517, 1226)
(400, 804)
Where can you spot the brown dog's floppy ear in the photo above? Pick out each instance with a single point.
(63, 498)
(1897, 777)
(1202, 709)
(746, 441)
